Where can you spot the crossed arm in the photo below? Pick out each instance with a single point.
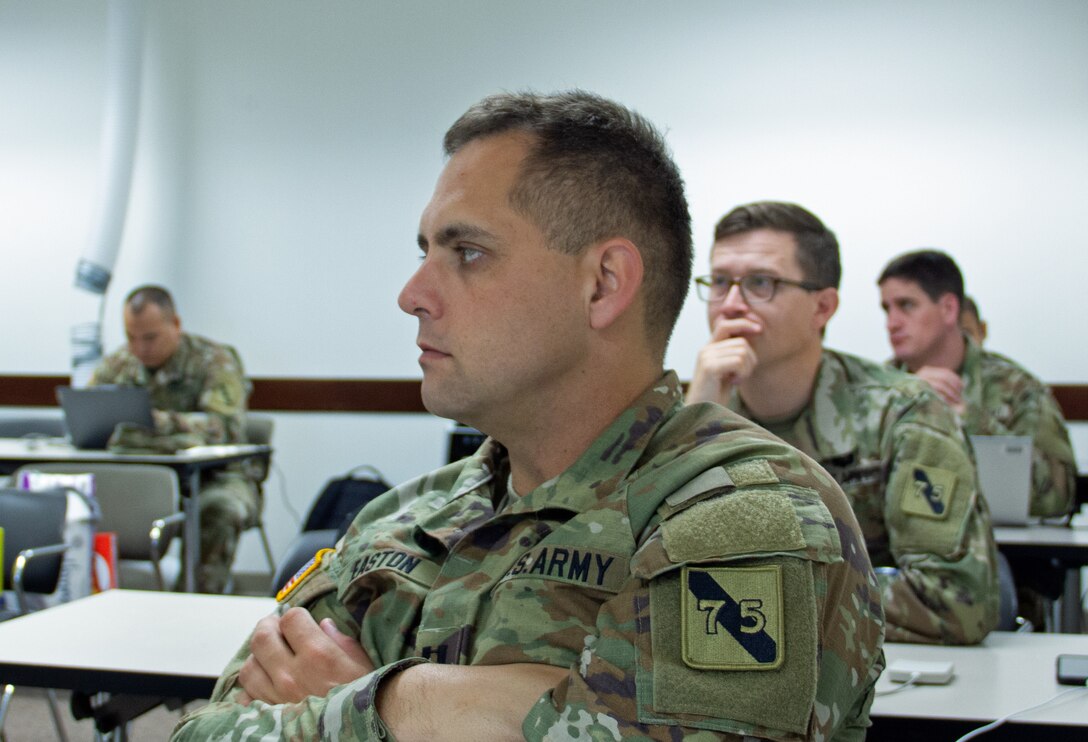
(296, 664)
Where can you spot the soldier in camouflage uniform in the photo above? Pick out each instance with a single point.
(610, 564)
(993, 395)
(198, 394)
(891, 443)
(922, 294)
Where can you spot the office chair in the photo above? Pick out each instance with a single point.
(34, 547)
(1008, 605)
(259, 430)
(141, 504)
(331, 513)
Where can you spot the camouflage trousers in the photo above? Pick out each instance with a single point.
(229, 504)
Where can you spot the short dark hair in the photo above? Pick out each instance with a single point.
(934, 271)
(141, 296)
(817, 247)
(596, 170)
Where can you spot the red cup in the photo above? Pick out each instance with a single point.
(104, 574)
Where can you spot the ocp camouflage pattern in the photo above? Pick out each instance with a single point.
(586, 573)
(198, 398)
(892, 443)
(1002, 398)
(202, 376)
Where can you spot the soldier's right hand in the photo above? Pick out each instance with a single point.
(294, 657)
(727, 360)
(948, 385)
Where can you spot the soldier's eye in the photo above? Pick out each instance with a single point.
(758, 282)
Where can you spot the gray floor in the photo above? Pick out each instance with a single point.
(29, 720)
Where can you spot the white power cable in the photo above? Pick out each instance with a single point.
(908, 683)
(998, 722)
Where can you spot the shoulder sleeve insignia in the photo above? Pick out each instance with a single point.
(928, 492)
(301, 575)
(732, 618)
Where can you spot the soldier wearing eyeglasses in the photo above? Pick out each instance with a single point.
(892, 444)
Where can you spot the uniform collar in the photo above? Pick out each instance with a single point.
(607, 462)
(819, 428)
(173, 369)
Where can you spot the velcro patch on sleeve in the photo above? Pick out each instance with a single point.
(742, 522)
(927, 491)
(732, 618)
(753, 471)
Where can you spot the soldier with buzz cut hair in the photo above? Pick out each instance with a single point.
(887, 438)
(610, 564)
(198, 397)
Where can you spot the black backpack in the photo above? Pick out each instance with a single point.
(343, 497)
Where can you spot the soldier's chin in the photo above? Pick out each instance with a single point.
(440, 402)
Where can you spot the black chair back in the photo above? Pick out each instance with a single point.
(30, 520)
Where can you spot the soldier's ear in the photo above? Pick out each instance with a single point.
(827, 303)
(614, 272)
(950, 309)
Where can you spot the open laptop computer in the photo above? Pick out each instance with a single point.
(1004, 476)
(90, 415)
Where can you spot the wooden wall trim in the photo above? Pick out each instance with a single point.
(1073, 399)
(30, 391)
(269, 394)
(337, 395)
(365, 395)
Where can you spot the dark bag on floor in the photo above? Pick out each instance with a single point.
(343, 497)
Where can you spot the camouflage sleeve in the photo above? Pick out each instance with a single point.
(111, 370)
(342, 714)
(1053, 467)
(220, 417)
(752, 615)
(348, 712)
(100, 375)
(945, 588)
(313, 588)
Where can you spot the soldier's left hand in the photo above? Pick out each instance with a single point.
(294, 657)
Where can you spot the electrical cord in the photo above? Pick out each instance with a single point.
(998, 722)
(282, 478)
(908, 683)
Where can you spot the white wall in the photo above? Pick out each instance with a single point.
(287, 149)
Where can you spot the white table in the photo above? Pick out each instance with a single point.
(130, 641)
(1068, 545)
(188, 463)
(1005, 673)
